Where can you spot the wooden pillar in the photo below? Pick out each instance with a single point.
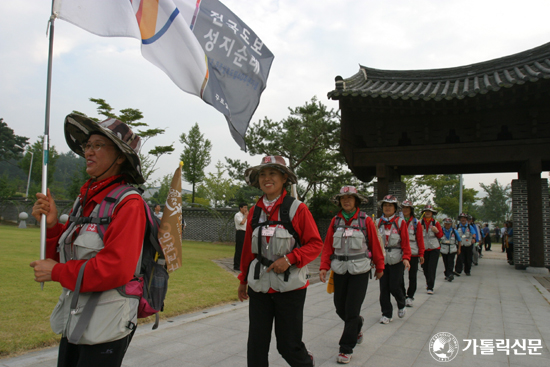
(532, 170)
(385, 175)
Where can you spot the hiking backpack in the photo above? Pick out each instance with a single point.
(150, 285)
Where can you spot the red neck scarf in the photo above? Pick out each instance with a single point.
(92, 188)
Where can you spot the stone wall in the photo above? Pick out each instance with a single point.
(521, 222)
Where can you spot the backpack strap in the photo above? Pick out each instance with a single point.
(88, 311)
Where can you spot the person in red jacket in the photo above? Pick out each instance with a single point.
(432, 232)
(273, 265)
(395, 238)
(416, 241)
(351, 247)
(111, 152)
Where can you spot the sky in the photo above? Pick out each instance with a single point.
(313, 41)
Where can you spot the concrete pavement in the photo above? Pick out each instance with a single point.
(496, 302)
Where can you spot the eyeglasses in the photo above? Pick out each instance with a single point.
(94, 146)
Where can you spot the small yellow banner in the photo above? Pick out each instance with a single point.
(170, 225)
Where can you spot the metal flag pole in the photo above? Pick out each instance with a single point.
(46, 140)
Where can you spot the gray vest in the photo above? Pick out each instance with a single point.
(430, 240)
(113, 312)
(467, 237)
(280, 244)
(351, 252)
(412, 237)
(449, 245)
(394, 253)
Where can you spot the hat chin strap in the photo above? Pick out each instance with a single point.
(112, 164)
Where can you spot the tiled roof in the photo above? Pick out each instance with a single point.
(450, 83)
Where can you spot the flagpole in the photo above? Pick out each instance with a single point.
(46, 139)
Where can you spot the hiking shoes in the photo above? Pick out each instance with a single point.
(401, 313)
(385, 320)
(343, 358)
(409, 302)
(430, 291)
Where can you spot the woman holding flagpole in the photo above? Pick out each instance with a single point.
(75, 252)
(281, 239)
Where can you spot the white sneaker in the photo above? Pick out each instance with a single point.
(409, 302)
(430, 291)
(385, 320)
(343, 358)
(401, 313)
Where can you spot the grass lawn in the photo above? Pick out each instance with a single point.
(25, 309)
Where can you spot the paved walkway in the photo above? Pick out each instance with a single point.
(496, 302)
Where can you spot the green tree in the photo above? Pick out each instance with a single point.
(68, 168)
(161, 195)
(11, 145)
(132, 117)
(7, 187)
(195, 156)
(445, 189)
(216, 188)
(418, 193)
(36, 171)
(496, 204)
(309, 139)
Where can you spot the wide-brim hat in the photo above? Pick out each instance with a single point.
(463, 215)
(447, 220)
(78, 129)
(389, 199)
(429, 208)
(348, 190)
(275, 161)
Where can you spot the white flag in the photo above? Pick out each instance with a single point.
(200, 44)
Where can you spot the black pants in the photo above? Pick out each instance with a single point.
(431, 258)
(449, 262)
(349, 294)
(105, 355)
(287, 309)
(464, 260)
(411, 290)
(392, 283)
(239, 240)
(487, 241)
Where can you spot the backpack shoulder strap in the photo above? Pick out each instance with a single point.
(256, 217)
(363, 224)
(109, 203)
(286, 214)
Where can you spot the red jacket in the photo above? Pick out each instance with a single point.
(373, 243)
(116, 263)
(424, 224)
(403, 233)
(419, 237)
(305, 227)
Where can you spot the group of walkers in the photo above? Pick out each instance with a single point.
(279, 238)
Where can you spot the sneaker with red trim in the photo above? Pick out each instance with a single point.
(343, 358)
(312, 359)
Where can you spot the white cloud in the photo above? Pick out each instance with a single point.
(312, 40)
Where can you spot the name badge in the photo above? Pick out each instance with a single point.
(268, 231)
(387, 232)
(348, 232)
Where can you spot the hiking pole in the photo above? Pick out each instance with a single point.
(46, 139)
